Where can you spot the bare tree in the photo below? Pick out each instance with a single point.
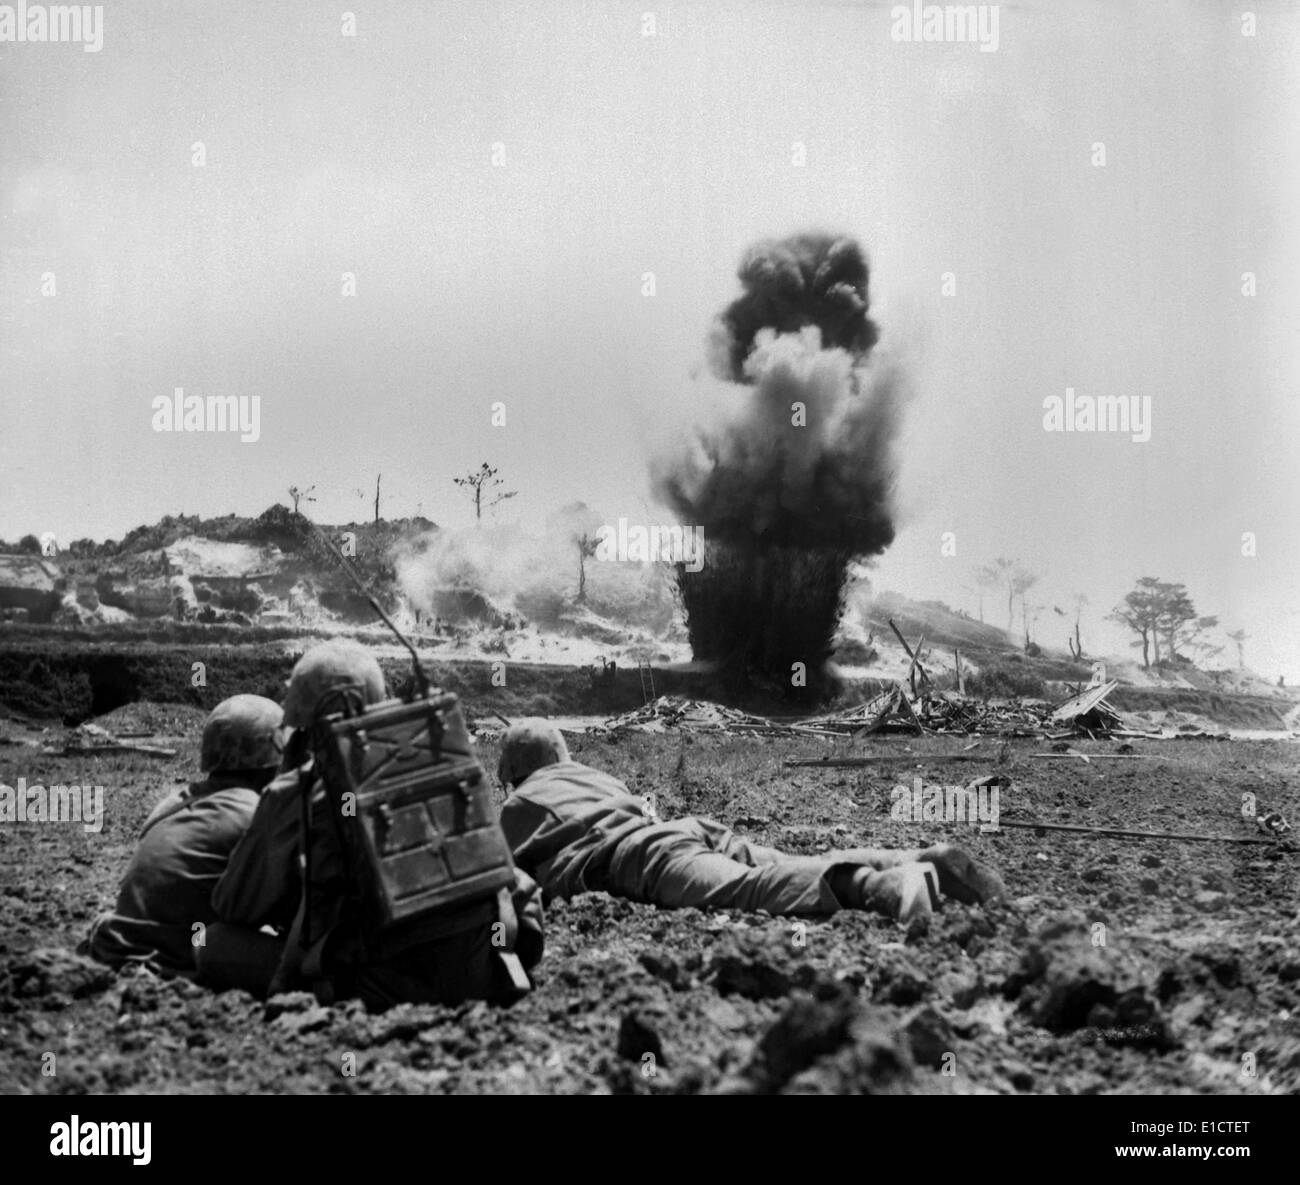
(482, 486)
(1076, 643)
(586, 549)
(1030, 615)
(1021, 583)
(300, 495)
(986, 577)
(1239, 638)
(1003, 573)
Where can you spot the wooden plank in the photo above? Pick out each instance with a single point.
(1083, 703)
(907, 705)
(883, 758)
(1124, 834)
(1102, 756)
(914, 657)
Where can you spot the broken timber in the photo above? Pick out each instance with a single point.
(1123, 834)
(1101, 756)
(858, 762)
(916, 658)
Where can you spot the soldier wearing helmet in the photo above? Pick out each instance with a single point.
(578, 829)
(329, 677)
(164, 905)
(262, 887)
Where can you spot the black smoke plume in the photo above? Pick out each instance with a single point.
(790, 283)
(799, 480)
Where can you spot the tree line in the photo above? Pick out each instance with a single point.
(1160, 613)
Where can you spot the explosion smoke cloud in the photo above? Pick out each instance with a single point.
(808, 279)
(808, 461)
(799, 480)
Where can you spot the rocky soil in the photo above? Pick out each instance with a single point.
(1118, 965)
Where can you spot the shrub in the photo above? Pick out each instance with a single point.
(1003, 678)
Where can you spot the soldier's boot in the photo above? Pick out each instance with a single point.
(908, 893)
(961, 877)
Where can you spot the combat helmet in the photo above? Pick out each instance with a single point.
(336, 674)
(242, 734)
(528, 746)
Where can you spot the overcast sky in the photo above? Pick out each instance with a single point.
(618, 154)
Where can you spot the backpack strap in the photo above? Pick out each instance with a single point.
(510, 963)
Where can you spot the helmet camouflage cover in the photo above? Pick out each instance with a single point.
(242, 733)
(338, 665)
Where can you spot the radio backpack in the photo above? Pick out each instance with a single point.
(424, 855)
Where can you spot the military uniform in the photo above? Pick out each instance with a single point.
(263, 887)
(577, 829)
(164, 905)
(168, 884)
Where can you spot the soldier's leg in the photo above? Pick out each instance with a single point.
(679, 864)
(676, 865)
(871, 879)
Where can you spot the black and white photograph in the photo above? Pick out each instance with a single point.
(580, 547)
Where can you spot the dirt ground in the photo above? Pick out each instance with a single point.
(1149, 966)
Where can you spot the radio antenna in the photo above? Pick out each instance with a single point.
(421, 679)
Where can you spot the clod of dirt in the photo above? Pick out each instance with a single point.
(288, 1002)
(929, 1037)
(763, 966)
(899, 981)
(963, 988)
(1216, 969)
(297, 1012)
(751, 977)
(50, 971)
(1018, 1074)
(666, 968)
(724, 1014)
(1067, 984)
(969, 927)
(1133, 1019)
(835, 1045)
(636, 1038)
(404, 1023)
(1211, 901)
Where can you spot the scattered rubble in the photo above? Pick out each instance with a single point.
(91, 738)
(1086, 714)
(691, 715)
